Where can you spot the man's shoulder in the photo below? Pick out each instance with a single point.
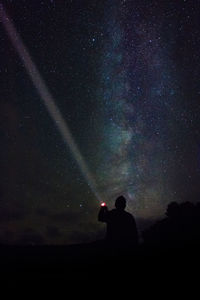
(112, 211)
(124, 213)
(129, 215)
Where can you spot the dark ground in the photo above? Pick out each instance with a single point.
(95, 265)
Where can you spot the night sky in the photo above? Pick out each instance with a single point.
(125, 75)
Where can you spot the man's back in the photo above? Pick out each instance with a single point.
(121, 227)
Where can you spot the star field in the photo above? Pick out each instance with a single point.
(125, 75)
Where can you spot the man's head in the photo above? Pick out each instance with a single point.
(120, 203)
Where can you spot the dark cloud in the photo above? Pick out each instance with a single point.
(7, 237)
(9, 215)
(41, 212)
(30, 237)
(64, 217)
(78, 236)
(53, 232)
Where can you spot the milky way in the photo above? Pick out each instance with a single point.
(138, 94)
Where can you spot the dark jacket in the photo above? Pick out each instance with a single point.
(121, 226)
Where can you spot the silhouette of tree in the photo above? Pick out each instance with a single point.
(181, 226)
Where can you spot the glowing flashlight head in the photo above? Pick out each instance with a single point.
(103, 204)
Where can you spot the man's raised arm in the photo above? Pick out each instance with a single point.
(103, 213)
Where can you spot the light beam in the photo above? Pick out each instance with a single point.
(47, 99)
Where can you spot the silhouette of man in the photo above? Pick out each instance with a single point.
(121, 226)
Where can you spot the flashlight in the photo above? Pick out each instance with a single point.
(103, 204)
